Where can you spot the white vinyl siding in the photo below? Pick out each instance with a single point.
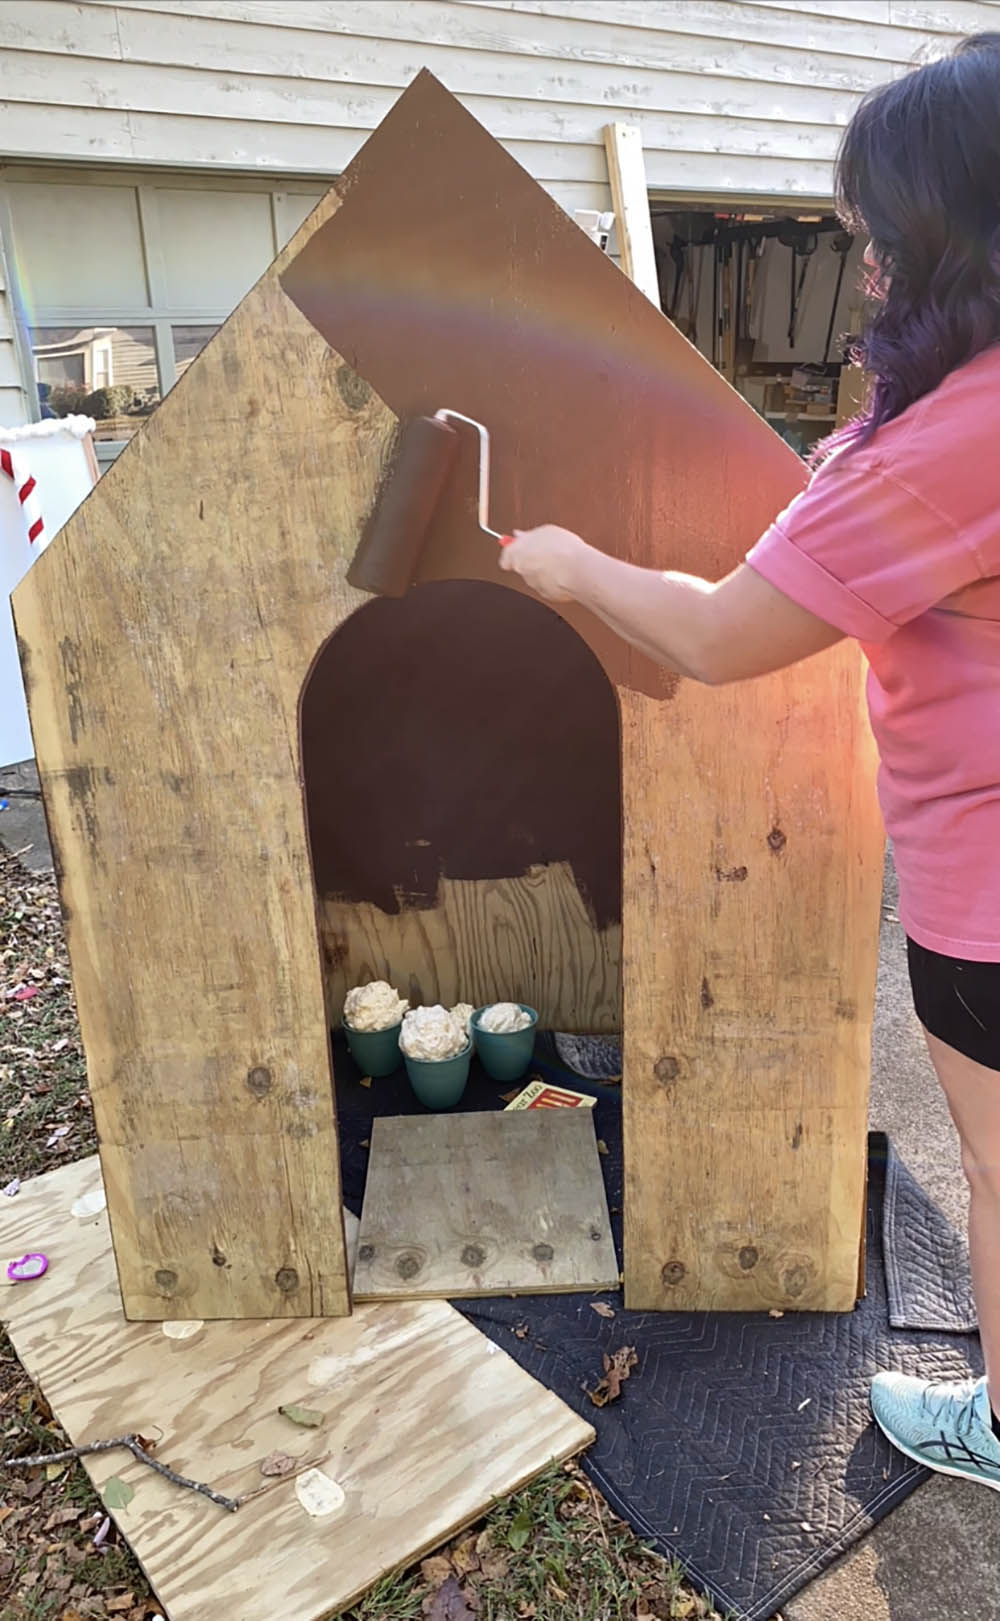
(740, 97)
(737, 100)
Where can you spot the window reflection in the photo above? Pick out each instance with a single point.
(105, 372)
(189, 341)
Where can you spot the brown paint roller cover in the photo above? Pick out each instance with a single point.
(389, 551)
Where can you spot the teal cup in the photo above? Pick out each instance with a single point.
(439, 1082)
(505, 1057)
(376, 1052)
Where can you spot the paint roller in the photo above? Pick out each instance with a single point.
(389, 550)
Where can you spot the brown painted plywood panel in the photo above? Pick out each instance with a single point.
(449, 278)
(425, 1422)
(470, 1205)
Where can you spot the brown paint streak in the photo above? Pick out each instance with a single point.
(448, 278)
(462, 732)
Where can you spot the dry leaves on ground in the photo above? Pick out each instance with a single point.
(617, 1368)
(454, 1577)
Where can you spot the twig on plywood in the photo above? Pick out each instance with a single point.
(133, 1444)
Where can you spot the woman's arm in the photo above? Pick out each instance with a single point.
(739, 628)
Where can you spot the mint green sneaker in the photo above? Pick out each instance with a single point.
(947, 1427)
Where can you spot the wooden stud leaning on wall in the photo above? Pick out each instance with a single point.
(627, 172)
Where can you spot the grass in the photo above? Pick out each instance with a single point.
(552, 1552)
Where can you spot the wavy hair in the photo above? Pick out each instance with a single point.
(919, 173)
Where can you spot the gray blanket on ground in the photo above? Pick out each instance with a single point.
(928, 1280)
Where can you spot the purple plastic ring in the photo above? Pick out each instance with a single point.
(33, 1265)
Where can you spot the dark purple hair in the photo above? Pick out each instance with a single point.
(919, 173)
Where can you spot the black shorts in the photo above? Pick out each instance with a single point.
(958, 1001)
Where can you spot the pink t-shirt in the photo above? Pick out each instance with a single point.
(898, 545)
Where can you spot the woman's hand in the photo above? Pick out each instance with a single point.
(547, 559)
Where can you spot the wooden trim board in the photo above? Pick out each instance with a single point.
(468, 1205)
(425, 1423)
(630, 195)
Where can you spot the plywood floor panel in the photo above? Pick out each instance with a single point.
(484, 1204)
(425, 1422)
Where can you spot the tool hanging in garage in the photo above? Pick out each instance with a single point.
(842, 243)
(802, 245)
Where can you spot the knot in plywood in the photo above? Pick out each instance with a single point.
(667, 1069)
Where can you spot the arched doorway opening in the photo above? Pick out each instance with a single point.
(461, 761)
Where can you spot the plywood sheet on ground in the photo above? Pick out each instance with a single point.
(424, 1422)
(484, 1204)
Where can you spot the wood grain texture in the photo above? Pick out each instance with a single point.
(630, 201)
(468, 1205)
(529, 939)
(166, 635)
(425, 1423)
(749, 975)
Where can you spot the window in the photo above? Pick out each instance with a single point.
(126, 277)
(108, 373)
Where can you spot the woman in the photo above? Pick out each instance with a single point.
(896, 542)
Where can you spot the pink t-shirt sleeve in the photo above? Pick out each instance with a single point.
(864, 552)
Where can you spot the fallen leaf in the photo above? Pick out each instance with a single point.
(70, 1615)
(61, 1516)
(124, 1601)
(602, 1308)
(436, 1570)
(681, 1606)
(52, 1472)
(277, 1463)
(494, 1565)
(308, 1417)
(117, 1493)
(366, 1080)
(521, 1529)
(464, 1557)
(449, 1603)
(602, 1147)
(617, 1368)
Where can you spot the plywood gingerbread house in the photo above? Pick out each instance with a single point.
(495, 798)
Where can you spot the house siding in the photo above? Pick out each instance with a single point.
(736, 99)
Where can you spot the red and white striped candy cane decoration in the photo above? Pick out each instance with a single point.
(24, 483)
